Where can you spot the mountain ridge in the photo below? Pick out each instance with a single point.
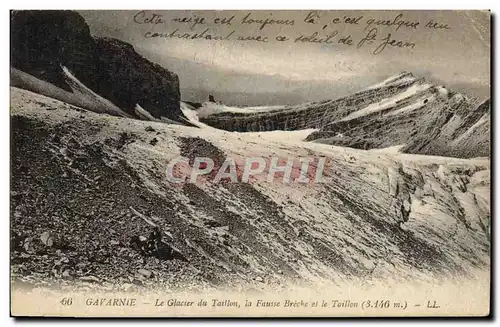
(87, 178)
(402, 101)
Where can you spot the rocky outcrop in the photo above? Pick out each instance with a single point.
(432, 121)
(127, 79)
(463, 131)
(42, 42)
(403, 110)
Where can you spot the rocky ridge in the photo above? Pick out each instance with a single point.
(404, 111)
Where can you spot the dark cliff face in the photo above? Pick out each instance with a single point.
(43, 41)
(403, 110)
(127, 78)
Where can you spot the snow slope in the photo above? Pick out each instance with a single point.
(381, 217)
(80, 96)
(211, 108)
(388, 102)
(428, 119)
(403, 109)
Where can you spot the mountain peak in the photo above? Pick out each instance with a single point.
(403, 76)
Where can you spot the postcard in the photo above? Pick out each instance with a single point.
(231, 163)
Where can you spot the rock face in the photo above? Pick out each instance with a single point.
(127, 78)
(423, 118)
(308, 115)
(401, 111)
(43, 41)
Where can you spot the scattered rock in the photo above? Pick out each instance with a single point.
(17, 196)
(153, 141)
(403, 226)
(407, 205)
(91, 279)
(81, 265)
(212, 223)
(137, 282)
(155, 247)
(259, 279)
(146, 273)
(126, 287)
(149, 129)
(368, 263)
(108, 287)
(405, 211)
(28, 245)
(113, 242)
(47, 239)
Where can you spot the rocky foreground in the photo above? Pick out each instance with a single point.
(86, 189)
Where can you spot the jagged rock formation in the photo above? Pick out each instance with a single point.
(309, 115)
(44, 41)
(126, 78)
(427, 120)
(403, 110)
(466, 134)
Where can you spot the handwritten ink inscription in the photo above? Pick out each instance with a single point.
(364, 31)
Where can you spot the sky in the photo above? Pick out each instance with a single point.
(258, 73)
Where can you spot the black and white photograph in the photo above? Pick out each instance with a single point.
(250, 163)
